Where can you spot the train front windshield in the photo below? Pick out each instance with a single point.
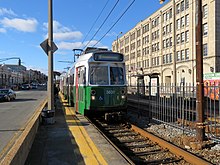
(99, 75)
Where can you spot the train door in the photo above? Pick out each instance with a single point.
(76, 96)
(80, 89)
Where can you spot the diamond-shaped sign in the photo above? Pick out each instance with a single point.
(44, 45)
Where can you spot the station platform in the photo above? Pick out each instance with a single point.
(71, 140)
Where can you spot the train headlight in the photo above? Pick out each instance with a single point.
(123, 96)
(93, 97)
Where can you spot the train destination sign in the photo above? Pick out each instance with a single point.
(108, 57)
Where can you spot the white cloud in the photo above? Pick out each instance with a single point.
(25, 25)
(4, 11)
(69, 45)
(77, 45)
(2, 30)
(61, 32)
(68, 35)
(57, 27)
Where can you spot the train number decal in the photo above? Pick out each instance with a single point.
(110, 92)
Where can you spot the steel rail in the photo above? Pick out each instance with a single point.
(119, 151)
(189, 157)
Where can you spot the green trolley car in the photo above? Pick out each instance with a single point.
(99, 83)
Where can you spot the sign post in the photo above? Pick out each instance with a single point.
(49, 47)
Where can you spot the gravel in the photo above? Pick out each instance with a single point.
(209, 149)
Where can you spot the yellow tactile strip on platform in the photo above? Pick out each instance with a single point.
(89, 151)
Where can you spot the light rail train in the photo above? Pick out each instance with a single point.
(96, 83)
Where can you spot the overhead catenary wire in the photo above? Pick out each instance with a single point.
(114, 23)
(95, 21)
(102, 24)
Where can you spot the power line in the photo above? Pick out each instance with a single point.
(95, 21)
(102, 24)
(115, 23)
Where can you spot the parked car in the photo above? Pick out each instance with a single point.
(34, 86)
(7, 95)
(25, 86)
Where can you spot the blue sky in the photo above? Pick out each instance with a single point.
(23, 26)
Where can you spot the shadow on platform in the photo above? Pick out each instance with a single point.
(54, 144)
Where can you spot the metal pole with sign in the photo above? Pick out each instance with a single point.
(49, 47)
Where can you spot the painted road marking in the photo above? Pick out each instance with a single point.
(89, 151)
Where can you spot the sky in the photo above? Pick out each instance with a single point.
(76, 24)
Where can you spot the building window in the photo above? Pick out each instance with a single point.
(139, 53)
(187, 20)
(177, 8)
(182, 21)
(187, 35)
(171, 42)
(178, 56)
(164, 43)
(170, 27)
(164, 59)
(167, 42)
(145, 28)
(177, 38)
(205, 11)
(171, 57)
(205, 29)
(178, 23)
(205, 49)
(126, 49)
(133, 55)
(167, 15)
(132, 36)
(164, 17)
(158, 61)
(132, 46)
(182, 54)
(182, 6)
(187, 54)
(138, 43)
(182, 37)
(153, 61)
(126, 40)
(138, 33)
(170, 11)
(186, 4)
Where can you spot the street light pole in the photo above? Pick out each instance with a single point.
(117, 41)
(50, 89)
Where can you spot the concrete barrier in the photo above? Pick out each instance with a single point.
(17, 154)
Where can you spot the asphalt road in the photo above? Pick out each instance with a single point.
(15, 114)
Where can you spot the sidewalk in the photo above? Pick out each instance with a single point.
(54, 145)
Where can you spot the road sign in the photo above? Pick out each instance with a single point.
(44, 45)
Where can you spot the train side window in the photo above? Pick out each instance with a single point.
(82, 75)
(99, 75)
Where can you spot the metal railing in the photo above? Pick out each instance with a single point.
(176, 105)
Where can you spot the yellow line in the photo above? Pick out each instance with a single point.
(87, 148)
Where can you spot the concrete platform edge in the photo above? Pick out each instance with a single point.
(17, 154)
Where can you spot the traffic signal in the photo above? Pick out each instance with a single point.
(162, 1)
(19, 62)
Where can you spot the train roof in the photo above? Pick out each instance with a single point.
(89, 56)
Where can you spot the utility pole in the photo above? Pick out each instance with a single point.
(199, 74)
(50, 89)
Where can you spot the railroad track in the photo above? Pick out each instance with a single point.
(139, 147)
